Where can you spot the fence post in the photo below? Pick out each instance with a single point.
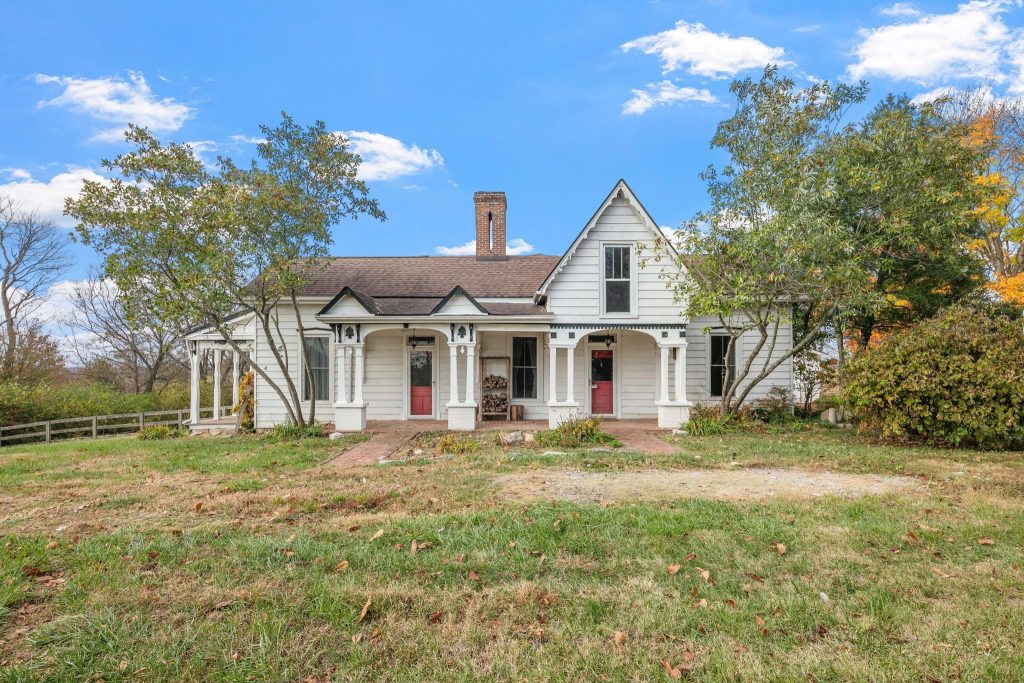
(47, 431)
(181, 418)
(142, 421)
(95, 431)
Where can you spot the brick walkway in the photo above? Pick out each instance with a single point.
(639, 435)
(389, 436)
(386, 437)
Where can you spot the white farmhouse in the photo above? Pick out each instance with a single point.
(595, 331)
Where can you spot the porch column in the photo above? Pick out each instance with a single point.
(453, 373)
(681, 373)
(357, 376)
(552, 373)
(236, 376)
(470, 351)
(341, 388)
(194, 390)
(569, 358)
(664, 374)
(218, 354)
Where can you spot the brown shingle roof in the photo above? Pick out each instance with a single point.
(399, 277)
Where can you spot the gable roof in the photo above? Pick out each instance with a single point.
(429, 276)
(621, 189)
(365, 301)
(457, 291)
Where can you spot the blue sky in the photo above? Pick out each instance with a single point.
(551, 102)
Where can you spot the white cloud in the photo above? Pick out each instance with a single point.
(971, 43)
(247, 140)
(900, 9)
(515, 247)
(47, 197)
(808, 28)
(665, 92)
(704, 53)
(387, 158)
(115, 100)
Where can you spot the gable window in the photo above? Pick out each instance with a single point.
(524, 367)
(719, 364)
(617, 295)
(319, 359)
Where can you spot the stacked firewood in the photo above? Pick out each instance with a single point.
(495, 403)
(494, 382)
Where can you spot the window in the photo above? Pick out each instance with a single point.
(617, 297)
(319, 359)
(524, 367)
(719, 343)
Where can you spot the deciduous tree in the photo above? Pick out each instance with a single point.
(214, 247)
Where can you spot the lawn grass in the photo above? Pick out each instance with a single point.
(246, 559)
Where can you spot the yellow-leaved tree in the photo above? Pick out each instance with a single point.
(998, 126)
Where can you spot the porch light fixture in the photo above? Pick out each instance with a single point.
(608, 342)
(413, 341)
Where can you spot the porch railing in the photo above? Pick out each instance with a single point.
(95, 426)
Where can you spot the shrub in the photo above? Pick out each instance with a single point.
(576, 433)
(957, 379)
(456, 444)
(776, 407)
(710, 421)
(22, 403)
(159, 432)
(290, 432)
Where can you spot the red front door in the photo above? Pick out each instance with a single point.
(421, 383)
(602, 385)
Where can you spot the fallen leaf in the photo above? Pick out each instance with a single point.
(436, 617)
(673, 568)
(911, 535)
(619, 638)
(460, 557)
(941, 573)
(341, 566)
(755, 577)
(730, 602)
(690, 556)
(356, 637)
(701, 604)
(412, 547)
(781, 548)
(199, 506)
(704, 574)
(670, 670)
(473, 576)
(759, 620)
(986, 541)
(52, 545)
(362, 612)
(380, 532)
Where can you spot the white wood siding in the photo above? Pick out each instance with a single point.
(575, 293)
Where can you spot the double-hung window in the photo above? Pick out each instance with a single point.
(617, 281)
(524, 367)
(720, 364)
(318, 358)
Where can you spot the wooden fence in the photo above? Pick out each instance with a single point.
(96, 426)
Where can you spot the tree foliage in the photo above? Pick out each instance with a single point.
(957, 379)
(842, 222)
(996, 126)
(216, 247)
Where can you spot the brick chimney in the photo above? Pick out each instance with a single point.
(490, 226)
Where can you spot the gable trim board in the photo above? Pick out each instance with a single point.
(621, 189)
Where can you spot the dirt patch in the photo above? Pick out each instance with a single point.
(743, 484)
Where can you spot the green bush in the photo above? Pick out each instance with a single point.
(957, 379)
(709, 421)
(577, 433)
(160, 432)
(21, 403)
